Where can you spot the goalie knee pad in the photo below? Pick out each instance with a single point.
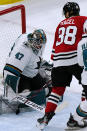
(37, 97)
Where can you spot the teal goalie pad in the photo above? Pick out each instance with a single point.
(37, 97)
(12, 82)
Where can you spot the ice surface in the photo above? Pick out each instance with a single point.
(42, 14)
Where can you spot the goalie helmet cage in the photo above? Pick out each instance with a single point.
(12, 25)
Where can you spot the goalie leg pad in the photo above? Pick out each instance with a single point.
(37, 97)
(11, 81)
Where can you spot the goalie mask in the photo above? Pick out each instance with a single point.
(37, 39)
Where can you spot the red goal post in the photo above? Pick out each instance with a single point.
(15, 8)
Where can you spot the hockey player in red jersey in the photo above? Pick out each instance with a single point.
(64, 55)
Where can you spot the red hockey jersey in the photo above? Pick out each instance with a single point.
(68, 33)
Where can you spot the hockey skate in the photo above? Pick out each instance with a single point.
(74, 125)
(42, 122)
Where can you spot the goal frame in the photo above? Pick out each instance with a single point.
(23, 16)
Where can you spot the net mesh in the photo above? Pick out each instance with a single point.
(11, 26)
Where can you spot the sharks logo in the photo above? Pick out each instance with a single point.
(38, 64)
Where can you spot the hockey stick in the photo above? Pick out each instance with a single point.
(39, 108)
(47, 84)
(31, 104)
(1, 75)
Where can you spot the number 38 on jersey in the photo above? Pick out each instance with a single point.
(67, 35)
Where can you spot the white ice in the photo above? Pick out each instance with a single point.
(41, 14)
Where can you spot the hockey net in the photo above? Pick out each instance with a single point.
(12, 24)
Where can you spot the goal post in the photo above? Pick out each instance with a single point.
(15, 8)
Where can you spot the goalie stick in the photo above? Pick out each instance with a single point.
(37, 107)
(31, 104)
